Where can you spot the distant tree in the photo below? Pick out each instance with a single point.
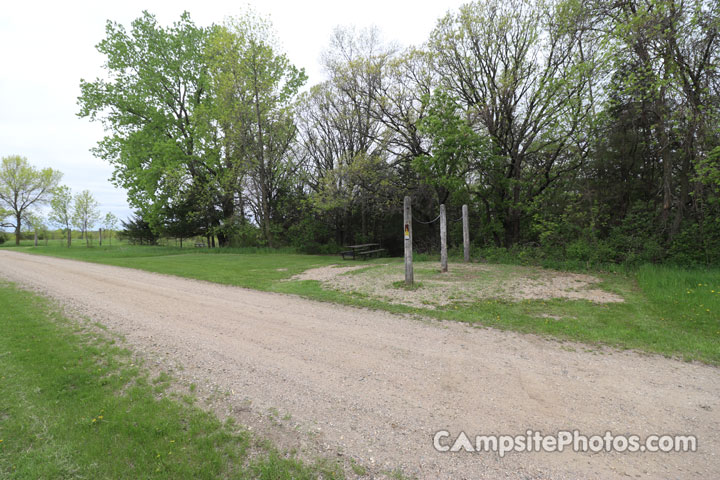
(137, 230)
(61, 213)
(22, 186)
(34, 223)
(110, 223)
(85, 213)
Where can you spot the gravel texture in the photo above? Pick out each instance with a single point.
(375, 386)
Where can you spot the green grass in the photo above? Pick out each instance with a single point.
(658, 315)
(252, 268)
(75, 406)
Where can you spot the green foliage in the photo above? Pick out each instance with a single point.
(137, 231)
(61, 213)
(708, 170)
(86, 213)
(587, 131)
(23, 187)
(157, 84)
(455, 150)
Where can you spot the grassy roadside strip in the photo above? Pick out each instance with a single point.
(73, 405)
(661, 321)
(667, 310)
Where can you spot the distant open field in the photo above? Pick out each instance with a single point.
(665, 310)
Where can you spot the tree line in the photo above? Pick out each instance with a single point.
(24, 189)
(585, 129)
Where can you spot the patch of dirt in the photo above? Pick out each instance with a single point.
(463, 283)
(325, 274)
(572, 286)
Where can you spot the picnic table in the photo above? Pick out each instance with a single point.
(362, 251)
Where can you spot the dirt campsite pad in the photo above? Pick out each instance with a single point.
(377, 387)
(462, 284)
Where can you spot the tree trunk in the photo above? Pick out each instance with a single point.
(266, 216)
(223, 240)
(264, 190)
(364, 218)
(18, 220)
(69, 236)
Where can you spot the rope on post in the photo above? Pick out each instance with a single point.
(431, 221)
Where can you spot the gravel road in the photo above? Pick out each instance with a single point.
(376, 387)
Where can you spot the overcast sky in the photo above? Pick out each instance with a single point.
(46, 47)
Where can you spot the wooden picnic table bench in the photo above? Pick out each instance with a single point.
(364, 250)
(200, 245)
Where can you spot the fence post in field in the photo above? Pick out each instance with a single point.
(466, 234)
(100, 236)
(443, 240)
(407, 219)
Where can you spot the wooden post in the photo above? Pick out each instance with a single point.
(466, 234)
(443, 240)
(407, 219)
(100, 236)
(69, 236)
(36, 238)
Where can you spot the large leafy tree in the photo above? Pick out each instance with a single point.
(254, 86)
(523, 71)
(22, 187)
(156, 84)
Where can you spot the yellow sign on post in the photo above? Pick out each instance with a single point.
(407, 231)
